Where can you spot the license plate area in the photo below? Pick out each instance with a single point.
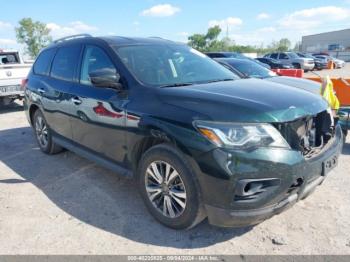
(9, 89)
(329, 164)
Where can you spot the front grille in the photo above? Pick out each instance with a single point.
(308, 135)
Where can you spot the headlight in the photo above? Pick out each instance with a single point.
(241, 135)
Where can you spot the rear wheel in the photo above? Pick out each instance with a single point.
(168, 188)
(43, 134)
(297, 65)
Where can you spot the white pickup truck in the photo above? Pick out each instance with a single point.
(13, 71)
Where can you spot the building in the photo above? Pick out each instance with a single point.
(336, 43)
(324, 42)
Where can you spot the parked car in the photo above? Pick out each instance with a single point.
(247, 69)
(199, 141)
(292, 58)
(274, 64)
(244, 69)
(13, 70)
(234, 55)
(225, 54)
(338, 63)
(319, 63)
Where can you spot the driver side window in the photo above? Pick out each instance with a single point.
(94, 59)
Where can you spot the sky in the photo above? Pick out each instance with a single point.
(253, 22)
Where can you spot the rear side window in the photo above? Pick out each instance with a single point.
(42, 64)
(283, 56)
(65, 63)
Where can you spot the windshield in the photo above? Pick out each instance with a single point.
(253, 70)
(171, 65)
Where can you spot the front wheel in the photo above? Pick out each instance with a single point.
(168, 188)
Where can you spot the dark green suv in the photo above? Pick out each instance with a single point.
(199, 141)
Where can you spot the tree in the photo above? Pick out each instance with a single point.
(206, 42)
(197, 41)
(34, 34)
(284, 45)
(213, 33)
(297, 47)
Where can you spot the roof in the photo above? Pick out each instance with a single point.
(121, 40)
(111, 40)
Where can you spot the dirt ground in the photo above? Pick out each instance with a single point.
(337, 73)
(64, 204)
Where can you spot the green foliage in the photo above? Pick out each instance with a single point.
(34, 34)
(209, 43)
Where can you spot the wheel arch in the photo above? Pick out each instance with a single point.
(32, 109)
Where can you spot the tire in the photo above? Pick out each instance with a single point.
(43, 135)
(189, 211)
(297, 66)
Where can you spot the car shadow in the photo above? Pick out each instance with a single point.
(97, 196)
(13, 107)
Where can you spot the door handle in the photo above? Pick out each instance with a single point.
(41, 90)
(76, 100)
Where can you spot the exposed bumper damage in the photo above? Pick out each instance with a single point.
(266, 182)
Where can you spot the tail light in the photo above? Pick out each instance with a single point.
(24, 83)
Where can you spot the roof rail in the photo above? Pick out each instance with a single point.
(71, 37)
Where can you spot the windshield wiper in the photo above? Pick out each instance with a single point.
(220, 80)
(176, 85)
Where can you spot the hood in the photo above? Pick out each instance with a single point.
(305, 84)
(245, 100)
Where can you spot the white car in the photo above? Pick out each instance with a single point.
(13, 70)
(337, 62)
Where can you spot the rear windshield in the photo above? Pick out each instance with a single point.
(158, 65)
(9, 58)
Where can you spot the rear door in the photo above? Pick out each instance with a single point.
(55, 89)
(98, 121)
(284, 58)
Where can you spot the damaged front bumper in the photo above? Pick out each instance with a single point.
(271, 182)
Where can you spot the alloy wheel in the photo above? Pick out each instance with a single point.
(165, 189)
(41, 131)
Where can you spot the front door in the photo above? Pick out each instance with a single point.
(98, 121)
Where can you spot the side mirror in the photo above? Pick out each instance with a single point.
(105, 77)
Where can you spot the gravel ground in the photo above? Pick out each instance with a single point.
(337, 73)
(64, 204)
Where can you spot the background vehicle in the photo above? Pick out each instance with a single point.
(188, 130)
(12, 71)
(274, 64)
(319, 63)
(338, 63)
(235, 55)
(292, 58)
(246, 69)
(225, 54)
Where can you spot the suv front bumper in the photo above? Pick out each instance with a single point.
(223, 209)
